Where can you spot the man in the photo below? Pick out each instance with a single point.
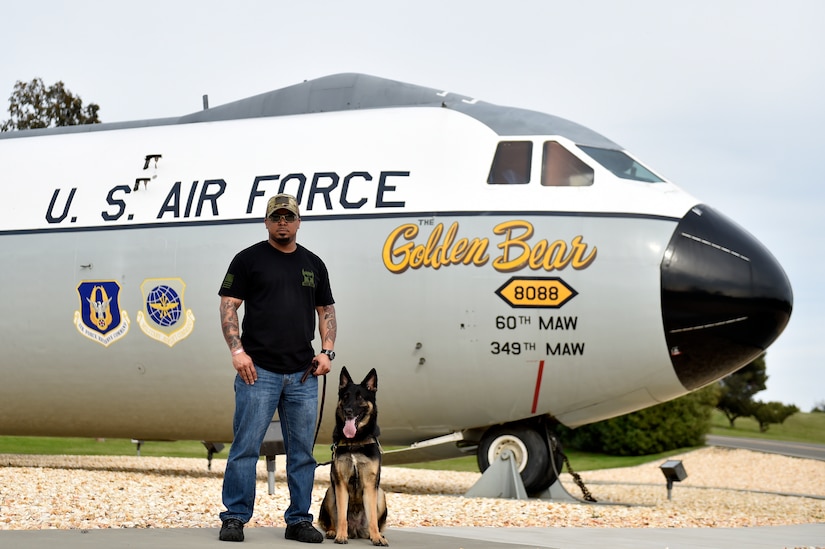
(283, 286)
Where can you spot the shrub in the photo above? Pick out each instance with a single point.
(679, 423)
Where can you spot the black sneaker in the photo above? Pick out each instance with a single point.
(304, 531)
(231, 530)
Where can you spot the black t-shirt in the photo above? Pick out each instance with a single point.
(280, 292)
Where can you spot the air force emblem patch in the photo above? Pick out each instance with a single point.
(100, 317)
(164, 317)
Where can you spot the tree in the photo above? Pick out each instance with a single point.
(33, 105)
(772, 412)
(737, 390)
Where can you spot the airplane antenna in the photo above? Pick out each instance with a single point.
(205, 102)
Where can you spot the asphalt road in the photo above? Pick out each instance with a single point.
(793, 449)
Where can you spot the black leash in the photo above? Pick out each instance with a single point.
(307, 373)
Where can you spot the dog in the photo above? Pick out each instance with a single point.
(355, 506)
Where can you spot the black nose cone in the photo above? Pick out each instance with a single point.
(725, 298)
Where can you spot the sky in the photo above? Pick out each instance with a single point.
(726, 98)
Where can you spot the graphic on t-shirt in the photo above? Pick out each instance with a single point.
(309, 278)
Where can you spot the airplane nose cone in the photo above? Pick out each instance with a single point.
(725, 298)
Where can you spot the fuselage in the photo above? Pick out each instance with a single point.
(478, 301)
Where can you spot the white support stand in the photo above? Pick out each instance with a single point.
(500, 480)
(270, 474)
(557, 492)
(273, 445)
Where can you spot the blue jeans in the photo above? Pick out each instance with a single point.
(255, 405)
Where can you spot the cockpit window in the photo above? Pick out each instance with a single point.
(621, 165)
(511, 165)
(561, 168)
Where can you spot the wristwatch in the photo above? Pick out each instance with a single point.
(330, 354)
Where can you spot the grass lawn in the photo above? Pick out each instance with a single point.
(801, 427)
(101, 447)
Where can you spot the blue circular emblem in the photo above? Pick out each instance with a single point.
(163, 306)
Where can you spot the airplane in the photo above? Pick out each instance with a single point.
(502, 269)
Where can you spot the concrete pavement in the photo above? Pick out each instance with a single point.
(773, 537)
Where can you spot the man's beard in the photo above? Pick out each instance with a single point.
(282, 240)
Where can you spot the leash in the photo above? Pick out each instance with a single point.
(307, 373)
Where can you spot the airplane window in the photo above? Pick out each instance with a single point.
(511, 165)
(561, 168)
(621, 165)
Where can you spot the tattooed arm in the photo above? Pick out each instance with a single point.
(229, 322)
(328, 328)
(232, 334)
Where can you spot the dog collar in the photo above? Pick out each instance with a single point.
(356, 445)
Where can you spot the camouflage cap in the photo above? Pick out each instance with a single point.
(282, 202)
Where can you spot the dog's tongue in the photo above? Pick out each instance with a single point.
(349, 428)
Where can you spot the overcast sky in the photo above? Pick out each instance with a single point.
(724, 98)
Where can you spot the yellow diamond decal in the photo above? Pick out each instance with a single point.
(536, 292)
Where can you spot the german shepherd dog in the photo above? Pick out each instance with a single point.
(355, 506)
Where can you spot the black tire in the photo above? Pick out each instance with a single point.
(530, 450)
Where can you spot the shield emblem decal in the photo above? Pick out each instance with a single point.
(100, 317)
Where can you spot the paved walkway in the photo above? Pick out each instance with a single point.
(775, 537)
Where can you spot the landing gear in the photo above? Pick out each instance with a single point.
(529, 442)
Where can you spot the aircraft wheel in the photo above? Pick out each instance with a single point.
(529, 448)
